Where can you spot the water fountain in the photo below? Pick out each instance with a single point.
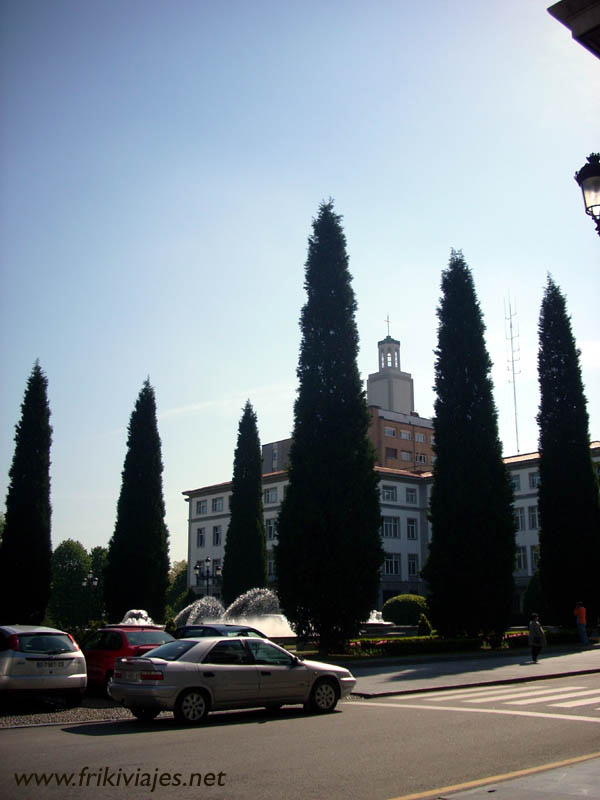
(258, 608)
(137, 616)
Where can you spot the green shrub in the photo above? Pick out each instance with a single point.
(404, 609)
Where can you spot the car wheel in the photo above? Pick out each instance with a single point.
(107, 680)
(323, 697)
(191, 707)
(144, 714)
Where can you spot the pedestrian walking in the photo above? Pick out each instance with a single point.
(537, 637)
(580, 618)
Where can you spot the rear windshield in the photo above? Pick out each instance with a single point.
(148, 637)
(172, 650)
(48, 643)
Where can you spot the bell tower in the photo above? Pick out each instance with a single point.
(390, 388)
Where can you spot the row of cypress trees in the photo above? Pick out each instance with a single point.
(329, 549)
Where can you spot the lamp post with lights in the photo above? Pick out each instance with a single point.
(202, 570)
(588, 178)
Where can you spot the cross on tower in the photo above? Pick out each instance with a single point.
(387, 319)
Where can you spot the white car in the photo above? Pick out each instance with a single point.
(194, 676)
(35, 659)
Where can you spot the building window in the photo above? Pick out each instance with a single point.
(413, 565)
(432, 439)
(217, 504)
(411, 496)
(391, 527)
(271, 495)
(516, 482)
(200, 537)
(405, 455)
(389, 494)
(419, 437)
(201, 507)
(391, 565)
(534, 480)
(391, 452)
(389, 432)
(271, 528)
(520, 519)
(217, 536)
(406, 435)
(411, 528)
(271, 566)
(533, 518)
(521, 560)
(421, 458)
(535, 556)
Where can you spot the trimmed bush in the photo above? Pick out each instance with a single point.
(405, 609)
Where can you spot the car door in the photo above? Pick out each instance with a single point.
(100, 653)
(228, 671)
(282, 678)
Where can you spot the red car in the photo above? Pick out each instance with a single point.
(119, 641)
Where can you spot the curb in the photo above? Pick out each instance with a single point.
(499, 682)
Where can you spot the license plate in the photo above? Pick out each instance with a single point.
(51, 665)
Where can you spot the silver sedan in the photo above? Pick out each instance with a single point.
(194, 676)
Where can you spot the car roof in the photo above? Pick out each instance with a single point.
(16, 629)
(220, 626)
(131, 628)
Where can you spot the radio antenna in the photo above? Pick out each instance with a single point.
(514, 357)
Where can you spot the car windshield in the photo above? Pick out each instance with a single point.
(48, 643)
(148, 637)
(172, 650)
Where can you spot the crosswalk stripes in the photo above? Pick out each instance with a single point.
(522, 696)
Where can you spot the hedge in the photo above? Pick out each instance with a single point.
(423, 645)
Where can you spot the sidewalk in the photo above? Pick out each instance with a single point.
(580, 779)
(403, 676)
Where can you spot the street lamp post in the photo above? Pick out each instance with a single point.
(588, 178)
(204, 573)
(90, 580)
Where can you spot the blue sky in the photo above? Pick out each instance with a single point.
(161, 164)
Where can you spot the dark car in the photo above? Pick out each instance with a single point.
(216, 629)
(119, 641)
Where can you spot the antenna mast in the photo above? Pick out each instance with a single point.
(513, 357)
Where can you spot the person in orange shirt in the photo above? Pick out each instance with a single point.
(581, 622)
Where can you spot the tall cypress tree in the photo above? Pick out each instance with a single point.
(245, 561)
(137, 568)
(26, 549)
(472, 553)
(568, 499)
(329, 549)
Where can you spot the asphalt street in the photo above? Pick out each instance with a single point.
(540, 721)
(574, 778)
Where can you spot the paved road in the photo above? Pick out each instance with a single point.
(366, 750)
(478, 680)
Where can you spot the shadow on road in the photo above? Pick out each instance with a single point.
(165, 722)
